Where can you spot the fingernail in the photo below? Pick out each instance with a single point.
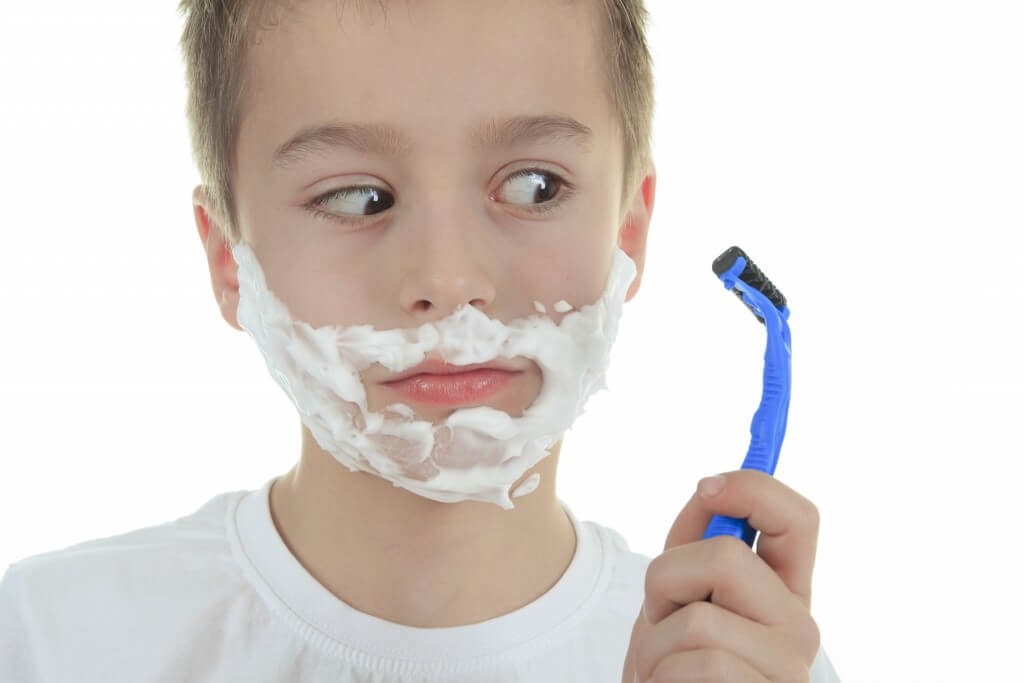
(709, 486)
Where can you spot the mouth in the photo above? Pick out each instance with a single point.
(439, 383)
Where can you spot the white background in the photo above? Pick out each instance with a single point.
(868, 156)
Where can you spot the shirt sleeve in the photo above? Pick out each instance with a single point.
(15, 648)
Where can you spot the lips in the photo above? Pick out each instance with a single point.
(433, 365)
(439, 383)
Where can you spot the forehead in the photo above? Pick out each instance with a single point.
(437, 71)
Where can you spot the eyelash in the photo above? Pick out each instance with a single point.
(566, 191)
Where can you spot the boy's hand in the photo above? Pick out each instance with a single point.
(758, 625)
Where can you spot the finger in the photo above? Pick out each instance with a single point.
(704, 626)
(705, 665)
(788, 523)
(725, 568)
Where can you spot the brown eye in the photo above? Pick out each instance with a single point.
(532, 186)
(353, 201)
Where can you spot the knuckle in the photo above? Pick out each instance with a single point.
(812, 516)
(727, 551)
(795, 673)
(810, 638)
(728, 558)
(715, 666)
(643, 660)
(653, 577)
(696, 624)
(723, 547)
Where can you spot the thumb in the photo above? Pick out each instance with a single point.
(690, 524)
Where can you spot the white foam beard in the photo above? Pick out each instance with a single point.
(476, 453)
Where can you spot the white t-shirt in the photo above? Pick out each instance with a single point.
(217, 596)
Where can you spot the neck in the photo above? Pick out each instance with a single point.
(390, 553)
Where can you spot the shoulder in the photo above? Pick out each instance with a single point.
(129, 564)
(162, 585)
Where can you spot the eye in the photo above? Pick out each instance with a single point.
(355, 198)
(532, 185)
(529, 186)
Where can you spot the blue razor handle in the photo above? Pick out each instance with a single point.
(738, 272)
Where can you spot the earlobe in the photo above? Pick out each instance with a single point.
(633, 234)
(631, 242)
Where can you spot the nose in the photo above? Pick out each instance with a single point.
(446, 267)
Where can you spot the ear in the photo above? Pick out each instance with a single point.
(223, 270)
(633, 233)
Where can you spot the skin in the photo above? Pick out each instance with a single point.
(454, 236)
(460, 230)
(757, 626)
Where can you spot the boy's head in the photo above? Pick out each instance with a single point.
(388, 162)
(219, 35)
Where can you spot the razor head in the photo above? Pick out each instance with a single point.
(751, 275)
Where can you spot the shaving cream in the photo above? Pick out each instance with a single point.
(476, 453)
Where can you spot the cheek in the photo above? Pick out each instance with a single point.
(579, 276)
(320, 293)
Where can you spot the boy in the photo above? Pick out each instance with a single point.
(454, 168)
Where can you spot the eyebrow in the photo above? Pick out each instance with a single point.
(384, 140)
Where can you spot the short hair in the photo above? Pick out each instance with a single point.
(213, 44)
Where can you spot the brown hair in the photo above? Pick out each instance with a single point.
(213, 45)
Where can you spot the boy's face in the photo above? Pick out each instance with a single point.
(446, 220)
